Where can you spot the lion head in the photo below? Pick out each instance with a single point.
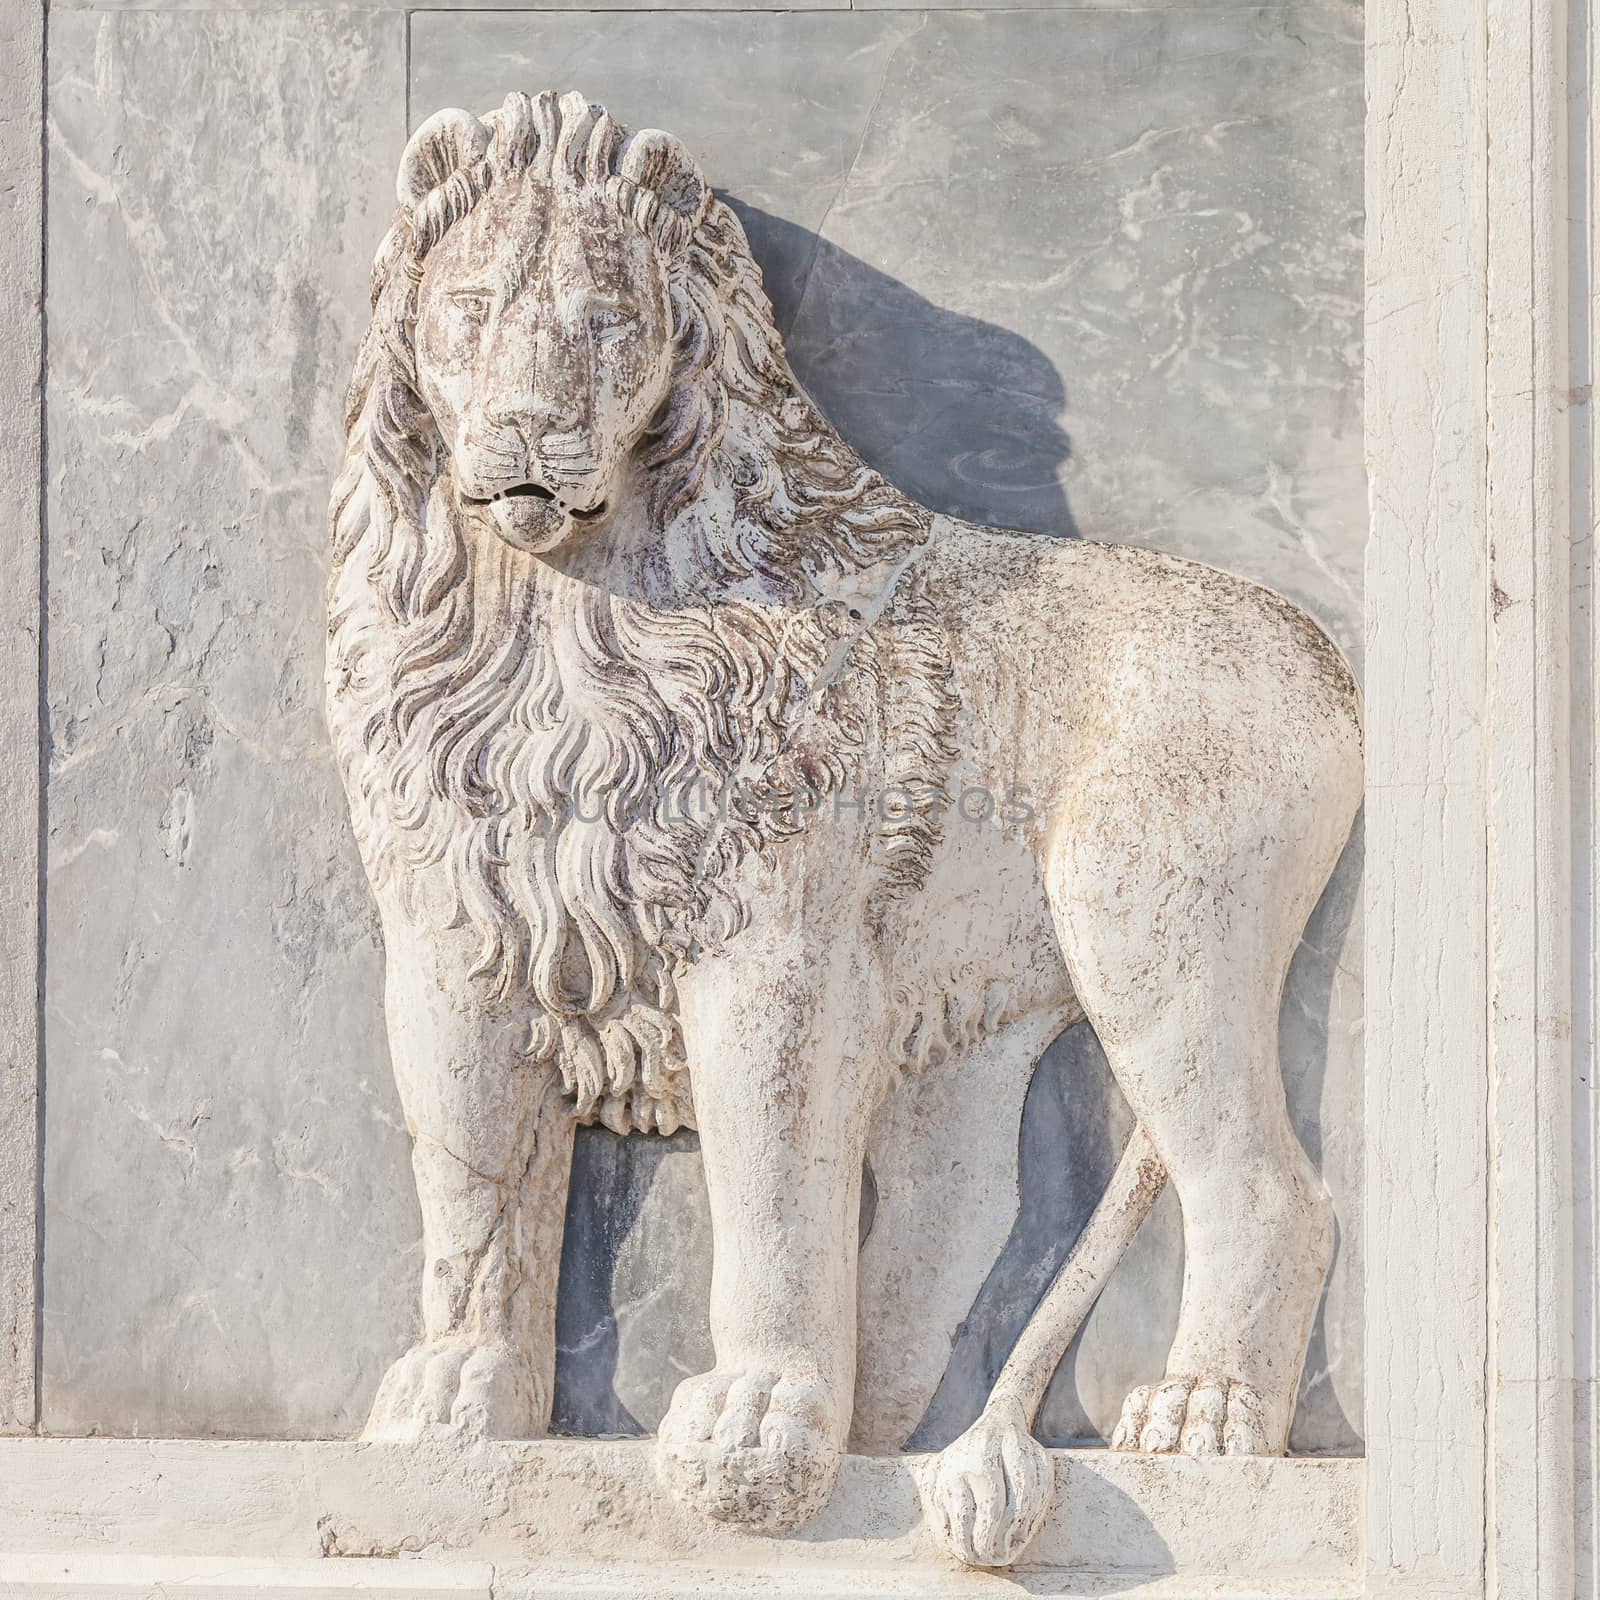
(570, 336)
(543, 326)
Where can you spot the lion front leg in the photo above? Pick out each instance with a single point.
(491, 1153)
(782, 1099)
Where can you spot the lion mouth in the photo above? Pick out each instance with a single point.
(537, 491)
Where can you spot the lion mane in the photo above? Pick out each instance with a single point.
(583, 771)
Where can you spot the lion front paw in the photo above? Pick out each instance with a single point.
(759, 1447)
(1196, 1417)
(985, 1496)
(480, 1390)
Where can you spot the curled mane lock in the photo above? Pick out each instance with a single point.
(560, 759)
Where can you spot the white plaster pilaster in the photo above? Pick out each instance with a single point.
(1479, 265)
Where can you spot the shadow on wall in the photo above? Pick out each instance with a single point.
(611, 1178)
(958, 413)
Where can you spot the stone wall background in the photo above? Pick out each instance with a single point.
(1093, 268)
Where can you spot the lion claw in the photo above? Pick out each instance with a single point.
(758, 1448)
(986, 1495)
(1193, 1417)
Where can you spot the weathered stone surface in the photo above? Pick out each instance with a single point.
(589, 1509)
(231, 1233)
(1178, 291)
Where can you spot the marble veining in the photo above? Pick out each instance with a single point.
(222, 1139)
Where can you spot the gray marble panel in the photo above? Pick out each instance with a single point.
(726, 87)
(231, 1236)
(1095, 274)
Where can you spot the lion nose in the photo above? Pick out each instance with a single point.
(555, 418)
(532, 420)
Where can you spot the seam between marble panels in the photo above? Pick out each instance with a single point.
(825, 7)
(895, 53)
(822, 8)
(42, 731)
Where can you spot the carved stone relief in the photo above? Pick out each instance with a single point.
(703, 779)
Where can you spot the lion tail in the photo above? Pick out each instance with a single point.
(1135, 1185)
(986, 1495)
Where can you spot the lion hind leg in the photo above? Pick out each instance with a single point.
(1177, 932)
(1258, 1239)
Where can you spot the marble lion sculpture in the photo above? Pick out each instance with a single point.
(704, 780)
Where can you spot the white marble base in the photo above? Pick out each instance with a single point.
(154, 1577)
(106, 1518)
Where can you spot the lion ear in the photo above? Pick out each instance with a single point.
(656, 162)
(445, 144)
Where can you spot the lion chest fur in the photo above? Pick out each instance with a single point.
(577, 777)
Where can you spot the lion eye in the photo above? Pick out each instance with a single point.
(474, 302)
(612, 322)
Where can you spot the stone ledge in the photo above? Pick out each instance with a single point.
(586, 1518)
(157, 1577)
